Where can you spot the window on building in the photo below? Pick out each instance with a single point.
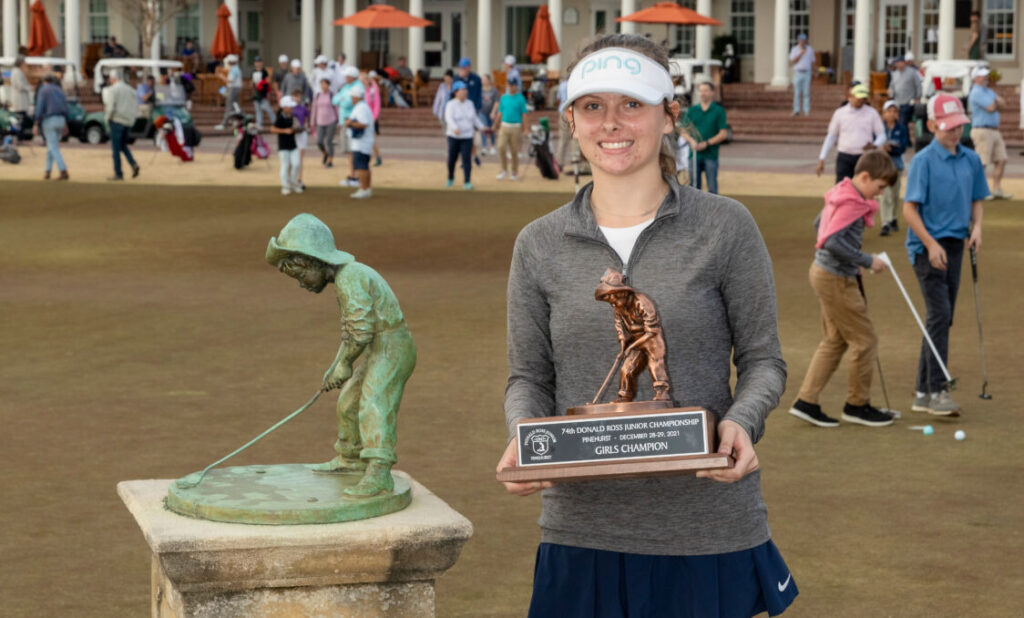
(999, 19)
(380, 40)
(849, 22)
(685, 36)
(296, 9)
(60, 24)
(742, 22)
(99, 21)
(186, 27)
(604, 23)
(799, 19)
(518, 22)
(929, 28)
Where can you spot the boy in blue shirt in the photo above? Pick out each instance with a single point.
(897, 138)
(509, 116)
(945, 188)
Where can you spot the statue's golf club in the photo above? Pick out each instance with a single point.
(194, 479)
(878, 362)
(977, 313)
(615, 366)
(950, 381)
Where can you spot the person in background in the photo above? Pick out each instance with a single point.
(708, 117)
(320, 71)
(979, 38)
(461, 122)
(897, 139)
(511, 72)
(565, 139)
(443, 94)
(324, 119)
(21, 93)
(301, 114)
(474, 86)
(190, 60)
(283, 68)
(855, 128)
(285, 129)
(361, 138)
(488, 98)
(262, 79)
(343, 101)
(113, 49)
(295, 80)
(373, 100)
(145, 92)
(510, 117)
(51, 122)
(803, 59)
(120, 108)
(904, 89)
(988, 141)
(403, 69)
(233, 90)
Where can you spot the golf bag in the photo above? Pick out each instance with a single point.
(9, 154)
(192, 136)
(243, 150)
(540, 149)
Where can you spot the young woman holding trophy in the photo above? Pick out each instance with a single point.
(666, 546)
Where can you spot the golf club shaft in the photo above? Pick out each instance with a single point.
(927, 337)
(977, 313)
(878, 360)
(615, 366)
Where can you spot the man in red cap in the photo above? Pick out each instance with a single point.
(943, 208)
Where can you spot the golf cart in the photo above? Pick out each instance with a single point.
(170, 99)
(36, 67)
(951, 77)
(683, 71)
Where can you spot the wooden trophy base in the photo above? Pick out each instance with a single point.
(636, 440)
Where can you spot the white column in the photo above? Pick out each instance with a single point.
(350, 42)
(73, 35)
(416, 37)
(947, 21)
(327, 28)
(628, 7)
(233, 19)
(11, 28)
(24, 19)
(483, 37)
(780, 66)
(307, 35)
(555, 9)
(862, 42)
(154, 45)
(703, 51)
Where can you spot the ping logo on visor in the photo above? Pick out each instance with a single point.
(610, 62)
(619, 71)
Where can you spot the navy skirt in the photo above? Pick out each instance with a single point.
(574, 582)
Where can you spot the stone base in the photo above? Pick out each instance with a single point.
(383, 566)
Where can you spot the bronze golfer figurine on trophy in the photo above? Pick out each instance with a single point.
(623, 437)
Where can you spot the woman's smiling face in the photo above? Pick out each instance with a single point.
(619, 134)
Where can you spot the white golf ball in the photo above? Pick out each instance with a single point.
(959, 435)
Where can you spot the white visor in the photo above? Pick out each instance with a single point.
(620, 71)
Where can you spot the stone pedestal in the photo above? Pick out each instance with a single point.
(383, 566)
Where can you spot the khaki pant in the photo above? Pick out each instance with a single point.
(510, 139)
(989, 145)
(844, 324)
(890, 203)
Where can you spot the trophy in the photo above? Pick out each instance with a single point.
(624, 437)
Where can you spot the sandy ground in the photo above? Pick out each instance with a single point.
(746, 169)
(145, 337)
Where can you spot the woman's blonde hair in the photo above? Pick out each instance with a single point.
(657, 53)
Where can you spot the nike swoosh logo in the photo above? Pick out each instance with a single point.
(784, 585)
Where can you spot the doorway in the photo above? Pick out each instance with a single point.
(895, 30)
(443, 42)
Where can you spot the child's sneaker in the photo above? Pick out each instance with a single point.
(942, 404)
(866, 415)
(299, 188)
(362, 194)
(468, 186)
(811, 412)
(513, 178)
(921, 401)
(449, 182)
(502, 175)
(286, 191)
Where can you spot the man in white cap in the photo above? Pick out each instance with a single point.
(985, 104)
(287, 146)
(320, 71)
(341, 67)
(232, 89)
(343, 101)
(359, 125)
(511, 72)
(295, 80)
(282, 70)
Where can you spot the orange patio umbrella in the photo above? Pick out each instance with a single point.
(383, 16)
(40, 38)
(542, 43)
(670, 14)
(224, 42)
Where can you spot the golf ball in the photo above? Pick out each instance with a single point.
(959, 435)
(928, 430)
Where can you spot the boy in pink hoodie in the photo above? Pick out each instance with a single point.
(849, 207)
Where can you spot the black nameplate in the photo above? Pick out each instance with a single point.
(612, 438)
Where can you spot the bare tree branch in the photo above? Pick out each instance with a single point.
(150, 16)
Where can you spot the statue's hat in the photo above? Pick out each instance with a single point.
(306, 235)
(611, 282)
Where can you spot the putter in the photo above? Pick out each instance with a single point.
(194, 479)
(977, 313)
(950, 381)
(615, 365)
(878, 363)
